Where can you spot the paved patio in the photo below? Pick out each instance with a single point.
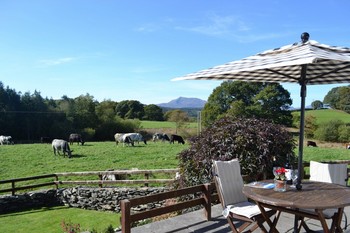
(196, 222)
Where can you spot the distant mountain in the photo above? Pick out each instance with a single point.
(183, 102)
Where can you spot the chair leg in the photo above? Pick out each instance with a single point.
(232, 225)
(346, 221)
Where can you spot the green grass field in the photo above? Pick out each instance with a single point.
(24, 160)
(50, 219)
(325, 115)
(164, 124)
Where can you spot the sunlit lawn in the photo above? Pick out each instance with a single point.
(50, 220)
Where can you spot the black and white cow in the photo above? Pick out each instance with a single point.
(177, 138)
(74, 137)
(6, 140)
(61, 145)
(121, 138)
(135, 137)
(160, 136)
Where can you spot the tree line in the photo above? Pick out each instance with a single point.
(337, 98)
(29, 116)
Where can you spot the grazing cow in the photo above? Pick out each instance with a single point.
(61, 145)
(177, 138)
(74, 137)
(348, 146)
(311, 143)
(120, 137)
(159, 136)
(45, 140)
(6, 140)
(135, 137)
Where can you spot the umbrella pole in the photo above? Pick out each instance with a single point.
(302, 124)
(301, 136)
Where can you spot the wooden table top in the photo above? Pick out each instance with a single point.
(314, 195)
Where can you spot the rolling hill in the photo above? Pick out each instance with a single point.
(325, 115)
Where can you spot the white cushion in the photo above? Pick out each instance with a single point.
(330, 173)
(229, 179)
(246, 209)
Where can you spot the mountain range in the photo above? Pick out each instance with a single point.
(184, 102)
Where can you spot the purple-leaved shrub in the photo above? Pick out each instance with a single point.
(255, 142)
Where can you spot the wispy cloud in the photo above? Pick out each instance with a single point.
(58, 61)
(219, 26)
(148, 28)
(231, 27)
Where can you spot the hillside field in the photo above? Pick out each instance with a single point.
(22, 160)
(325, 115)
(164, 124)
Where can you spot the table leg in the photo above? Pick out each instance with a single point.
(296, 223)
(322, 220)
(337, 221)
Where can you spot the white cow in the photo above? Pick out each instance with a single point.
(120, 137)
(61, 145)
(6, 140)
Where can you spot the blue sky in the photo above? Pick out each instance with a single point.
(130, 50)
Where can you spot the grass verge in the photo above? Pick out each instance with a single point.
(50, 220)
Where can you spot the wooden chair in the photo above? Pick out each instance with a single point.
(242, 215)
(336, 173)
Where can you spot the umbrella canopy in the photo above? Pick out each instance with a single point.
(306, 63)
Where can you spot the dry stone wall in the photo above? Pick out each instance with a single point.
(106, 199)
(32, 200)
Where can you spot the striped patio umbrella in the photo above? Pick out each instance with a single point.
(306, 63)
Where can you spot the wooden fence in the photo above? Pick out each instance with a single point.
(127, 217)
(56, 181)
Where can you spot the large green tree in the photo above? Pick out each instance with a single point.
(130, 109)
(248, 99)
(339, 98)
(153, 113)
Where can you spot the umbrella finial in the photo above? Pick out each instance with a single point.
(305, 37)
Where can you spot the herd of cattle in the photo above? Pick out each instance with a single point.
(129, 139)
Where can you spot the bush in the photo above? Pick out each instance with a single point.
(329, 131)
(344, 133)
(254, 142)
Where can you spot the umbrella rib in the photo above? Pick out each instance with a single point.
(285, 75)
(332, 71)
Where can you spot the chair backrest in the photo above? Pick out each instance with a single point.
(229, 181)
(336, 173)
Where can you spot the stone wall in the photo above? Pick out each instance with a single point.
(106, 199)
(32, 200)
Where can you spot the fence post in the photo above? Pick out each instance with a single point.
(56, 178)
(125, 208)
(207, 196)
(13, 188)
(146, 177)
(100, 177)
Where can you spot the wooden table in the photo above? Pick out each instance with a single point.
(317, 196)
